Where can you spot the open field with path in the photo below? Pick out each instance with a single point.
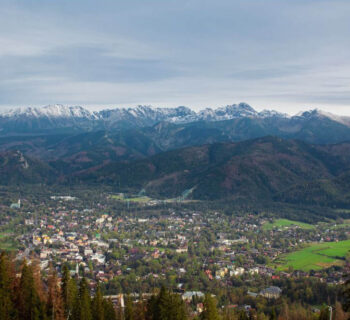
(315, 256)
(285, 223)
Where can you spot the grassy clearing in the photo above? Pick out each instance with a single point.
(285, 223)
(117, 197)
(7, 242)
(142, 199)
(316, 256)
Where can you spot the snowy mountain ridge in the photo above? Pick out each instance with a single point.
(55, 116)
(55, 111)
(181, 113)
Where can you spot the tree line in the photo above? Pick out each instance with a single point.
(26, 295)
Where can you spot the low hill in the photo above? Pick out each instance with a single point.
(268, 169)
(16, 169)
(261, 170)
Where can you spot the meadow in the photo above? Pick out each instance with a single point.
(7, 242)
(141, 199)
(285, 223)
(315, 256)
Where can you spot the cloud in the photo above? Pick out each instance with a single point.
(273, 53)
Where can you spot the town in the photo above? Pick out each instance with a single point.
(135, 247)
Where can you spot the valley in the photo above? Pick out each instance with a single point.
(132, 243)
(211, 205)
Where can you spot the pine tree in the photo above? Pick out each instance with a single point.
(151, 308)
(339, 314)
(108, 310)
(346, 295)
(54, 306)
(262, 316)
(177, 308)
(6, 303)
(129, 309)
(324, 315)
(273, 315)
(210, 311)
(285, 314)
(97, 305)
(83, 302)
(139, 310)
(162, 305)
(166, 306)
(29, 304)
(65, 289)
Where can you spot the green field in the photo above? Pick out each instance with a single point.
(7, 242)
(118, 197)
(316, 256)
(285, 223)
(141, 199)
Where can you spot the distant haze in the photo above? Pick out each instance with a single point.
(274, 54)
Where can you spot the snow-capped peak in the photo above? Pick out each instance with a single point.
(141, 115)
(61, 116)
(228, 112)
(50, 111)
(272, 114)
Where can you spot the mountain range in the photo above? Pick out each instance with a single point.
(59, 118)
(232, 152)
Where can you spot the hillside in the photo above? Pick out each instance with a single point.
(267, 169)
(17, 169)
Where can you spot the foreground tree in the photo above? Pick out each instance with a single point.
(210, 311)
(7, 311)
(166, 306)
(82, 305)
(29, 305)
(54, 306)
(339, 313)
(97, 307)
(129, 309)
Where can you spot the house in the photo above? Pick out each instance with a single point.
(45, 253)
(28, 222)
(100, 258)
(209, 274)
(16, 205)
(237, 272)
(88, 252)
(271, 292)
(221, 272)
(182, 250)
(252, 294)
(200, 307)
(254, 270)
(188, 295)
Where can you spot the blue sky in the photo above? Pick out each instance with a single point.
(286, 55)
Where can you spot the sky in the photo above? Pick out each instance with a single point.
(287, 55)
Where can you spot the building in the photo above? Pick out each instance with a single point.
(188, 295)
(16, 205)
(271, 292)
